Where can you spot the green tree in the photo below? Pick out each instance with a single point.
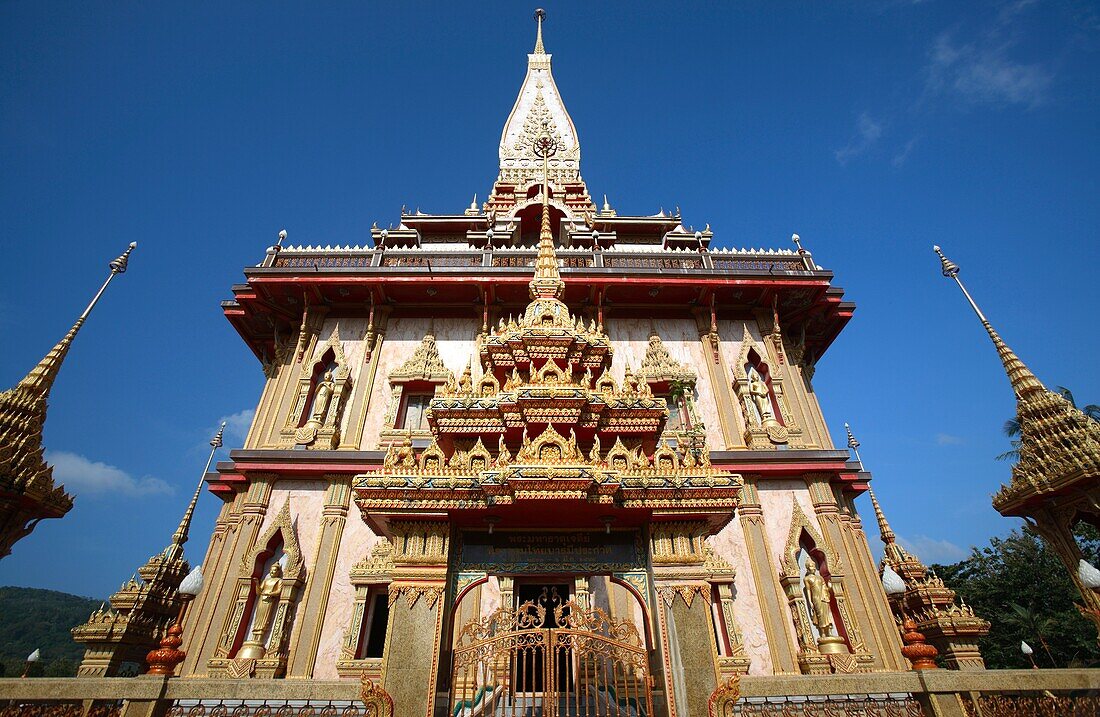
(41, 619)
(1022, 588)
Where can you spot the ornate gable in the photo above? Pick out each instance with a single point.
(424, 365)
(658, 366)
(284, 525)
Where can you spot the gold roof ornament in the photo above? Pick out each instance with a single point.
(538, 108)
(893, 554)
(540, 15)
(547, 282)
(658, 365)
(24, 474)
(175, 549)
(141, 610)
(425, 364)
(952, 627)
(1059, 444)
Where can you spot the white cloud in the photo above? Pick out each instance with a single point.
(946, 439)
(868, 132)
(236, 426)
(983, 69)
(930, 550)
(83, 476)
(903, 154)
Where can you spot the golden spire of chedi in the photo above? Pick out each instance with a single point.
(540, 15)
(175, 549)
(1059, 444)
(27, 491)
(547, 282)
(893, 553)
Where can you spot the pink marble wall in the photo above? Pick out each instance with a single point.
(490, 596)
(454, 339)
(307, 503)
(356, 544)
(730, 544)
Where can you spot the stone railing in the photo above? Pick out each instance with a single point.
(581, 260)
(151, 696)
(931, 693)
(925, 693)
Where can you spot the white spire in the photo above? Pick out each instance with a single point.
(539, 104)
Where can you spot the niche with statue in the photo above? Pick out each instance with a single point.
(811, 575)
(758, 384)
(254, 639)
(323, 387)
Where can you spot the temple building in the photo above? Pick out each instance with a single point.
(540, 450)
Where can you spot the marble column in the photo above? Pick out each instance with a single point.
(314, 603)
(410, 664)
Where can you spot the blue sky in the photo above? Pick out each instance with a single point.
(872, 129)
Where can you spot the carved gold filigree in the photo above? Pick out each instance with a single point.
(659, 366)
(282, 526)
(376, 701)
(685, 591)
(424, 364)
(323, 430)
(800, 524)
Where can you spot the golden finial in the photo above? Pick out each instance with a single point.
(883, 527)
(853, 444)
(540, 15)
(175, 550)
(42, 376)
(893, 553)
(1023, 381)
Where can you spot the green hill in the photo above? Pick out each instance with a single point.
(41, 619)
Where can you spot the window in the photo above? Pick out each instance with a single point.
(414, 417)
(374, 630)
(676, 420)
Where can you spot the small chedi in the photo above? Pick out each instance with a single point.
(949, 625)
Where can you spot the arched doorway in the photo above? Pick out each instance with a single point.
(544, 652)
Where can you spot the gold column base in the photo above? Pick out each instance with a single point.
(832, 645)
(251, 650)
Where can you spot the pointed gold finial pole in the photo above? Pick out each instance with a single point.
(1023, 381)
(540, 15)
(853, 444)
(884, 530)
(892, 551)
(41, 377)
(180, 536)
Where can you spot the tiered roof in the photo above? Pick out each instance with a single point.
(485, 254)
(561, 428)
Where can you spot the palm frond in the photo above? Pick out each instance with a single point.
(1066, 394)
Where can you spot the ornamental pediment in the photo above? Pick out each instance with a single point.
(550, 466)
